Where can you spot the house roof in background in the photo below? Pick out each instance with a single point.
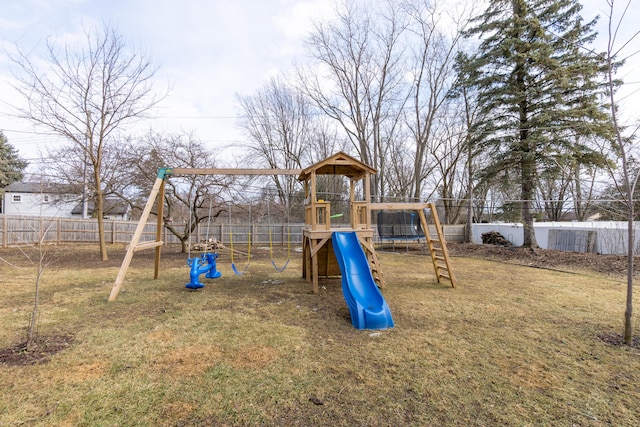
(37, 187)
(111, 207)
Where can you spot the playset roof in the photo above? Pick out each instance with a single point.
(338, 164)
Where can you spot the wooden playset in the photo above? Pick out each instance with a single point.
(318, 257)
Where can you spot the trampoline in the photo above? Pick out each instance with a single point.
(399, 225)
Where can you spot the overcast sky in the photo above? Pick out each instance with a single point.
(208, 51)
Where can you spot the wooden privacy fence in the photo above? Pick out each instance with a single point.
(23, 230)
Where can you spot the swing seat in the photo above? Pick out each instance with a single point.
(280, 269)
(235, 270)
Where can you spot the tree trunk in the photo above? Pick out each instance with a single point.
(36, 300)
(103, 243)
(628, 313)
(629, 189)
(526, 147)
(527, 197)
(99, 212)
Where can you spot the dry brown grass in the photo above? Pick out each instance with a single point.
(511, 345)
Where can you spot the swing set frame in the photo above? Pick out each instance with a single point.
(318, 259)
(157, 193)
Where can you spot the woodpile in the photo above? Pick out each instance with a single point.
(206, 245)
(495, 238)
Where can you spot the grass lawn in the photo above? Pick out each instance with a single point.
(511, 345)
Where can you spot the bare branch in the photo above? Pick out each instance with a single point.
(85, 94)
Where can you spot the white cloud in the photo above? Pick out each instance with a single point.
(296, 21)
(208, 50)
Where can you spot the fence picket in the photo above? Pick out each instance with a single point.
(18, 230)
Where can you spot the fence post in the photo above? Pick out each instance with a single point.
(252, 240)
(5, 231)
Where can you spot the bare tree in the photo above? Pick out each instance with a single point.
(85, 94)
(626, 150)
(325, 139)
(71, 171)
(280, 126)
(469, 112)
(583, 190)
(400, 172)
(189, 200)
(433, 59)
(359, 78)
(553, 189)
(449, 154)
(36, 255)
(41, 263)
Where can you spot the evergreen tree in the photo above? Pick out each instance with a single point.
(11, 165)
(538, 88)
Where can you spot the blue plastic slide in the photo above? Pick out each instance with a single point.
(367, 306)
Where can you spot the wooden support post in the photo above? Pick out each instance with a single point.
(352, 208)
(135, 239)
(314, 264)
(367, 199)
(314, 218)
(156, 267)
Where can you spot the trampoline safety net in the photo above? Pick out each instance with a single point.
(399, 225)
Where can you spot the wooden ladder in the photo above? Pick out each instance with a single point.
(437, 247)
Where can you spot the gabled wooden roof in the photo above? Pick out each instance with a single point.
(338, 164)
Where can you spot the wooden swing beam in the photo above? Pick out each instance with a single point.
(219, 171)
(157, 192)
